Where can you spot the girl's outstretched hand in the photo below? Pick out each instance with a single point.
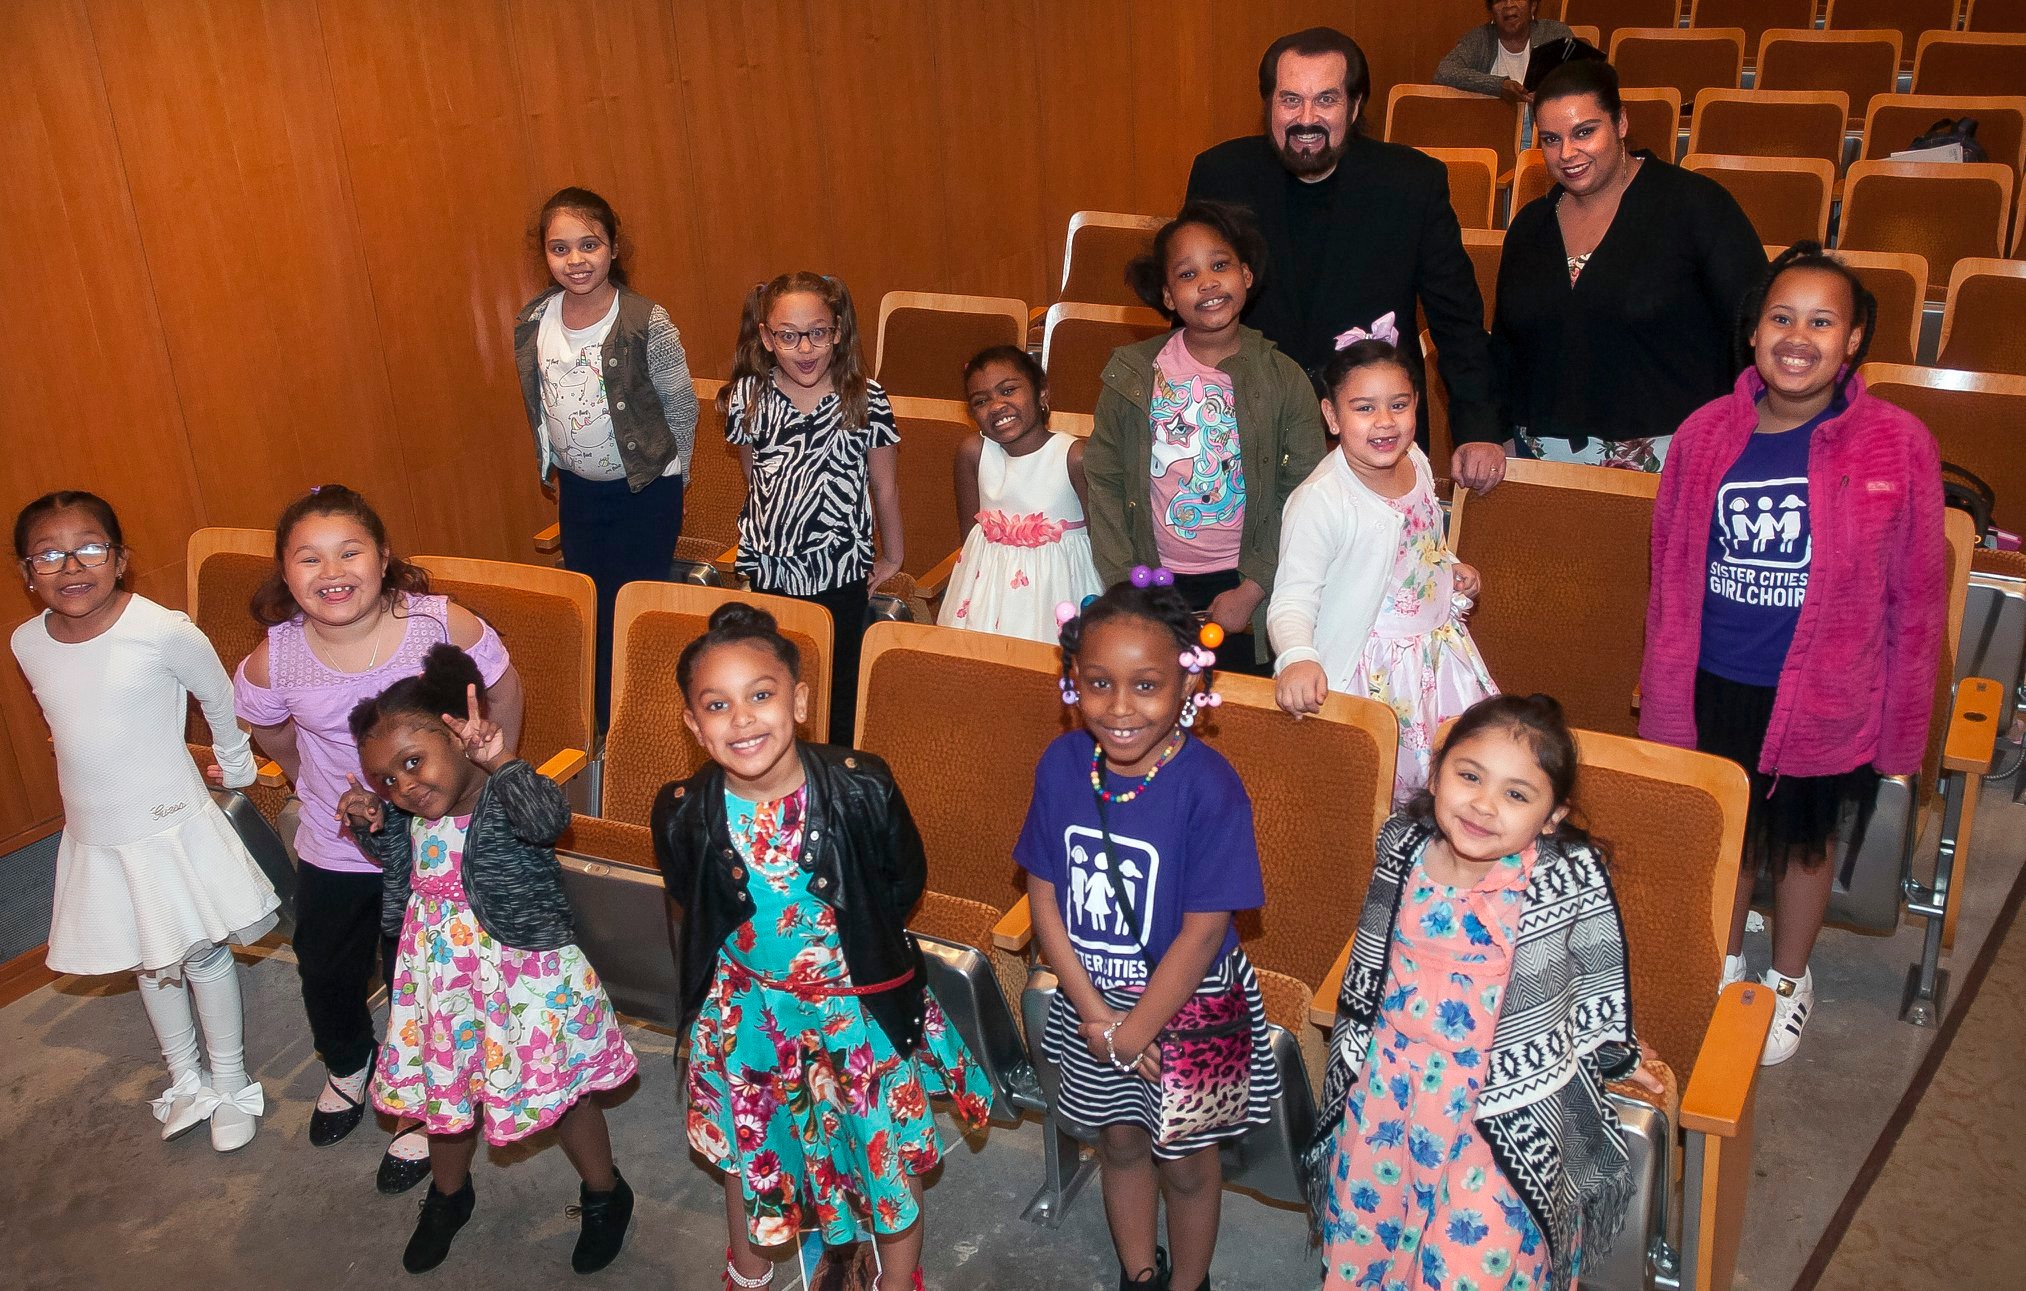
(357, 807)
(1465, 580)
(1301, 688)
(1642, 1075)
(484, 742)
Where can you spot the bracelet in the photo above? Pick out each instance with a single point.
(1123, 1068)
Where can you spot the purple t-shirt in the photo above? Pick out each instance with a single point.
(1185, 846)
(1761, 545)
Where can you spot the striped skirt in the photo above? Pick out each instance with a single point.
(1094, 1095)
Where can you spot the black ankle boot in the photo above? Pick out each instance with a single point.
(604, 1216)
(1156, 1280)
(442, 1216)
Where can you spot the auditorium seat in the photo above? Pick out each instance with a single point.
(1910, 18)
(1473, 183)
(1094, 258)
(1608, 16)
(1574, 537)
(1653, 119)
(1753, 17)
(1976, 417)
(1896, 120)
(1995, 15)
(1530, 182)
(1484, 246)
(1859, 63)
(1942, 211)
(1984, 324)
(1077, 340)
(931, 430)
(1686, 60)
(1770, 123)
(1966, 63)
(222, 569)
(926, 337)
(1899, 281)
(1786, 198)
(1435, 116)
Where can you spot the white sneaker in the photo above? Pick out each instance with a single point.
(1734, 971)
(184, 1105)
(233, 1121)
(1793, 998)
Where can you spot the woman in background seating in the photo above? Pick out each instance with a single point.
(1492, 58)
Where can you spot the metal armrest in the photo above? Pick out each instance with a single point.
(1727, 1066)
(1973, 726)
(565, 764)
(1015, 928)
(933, 582)
(1322, 1008)
(549, 539)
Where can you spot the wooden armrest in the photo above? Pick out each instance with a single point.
(728, 559)
(1973, 726)
(269, 774)
(550, 538)
(933, 582)
(566, 763)
(1015, 928)
(1728, 1065)
(1322, 1009)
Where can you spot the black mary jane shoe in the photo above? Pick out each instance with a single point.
(1156, 1280)
(327, 1128)
(397, 1174)
(442, 1216)
(604, 1216)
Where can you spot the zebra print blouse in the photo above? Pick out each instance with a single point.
(806, 526)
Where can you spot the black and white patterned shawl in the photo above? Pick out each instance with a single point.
(1564, 1029)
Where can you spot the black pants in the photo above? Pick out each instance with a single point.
(615, 536)
(1240, 649)
(848, 611)
(338, 945)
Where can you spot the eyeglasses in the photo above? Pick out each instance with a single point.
(819, 338)
(89, 556)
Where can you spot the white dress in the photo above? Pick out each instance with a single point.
(1029, 551)
(149, 868)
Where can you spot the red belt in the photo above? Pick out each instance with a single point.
(823, 990)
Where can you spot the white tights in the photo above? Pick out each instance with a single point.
(212, 978)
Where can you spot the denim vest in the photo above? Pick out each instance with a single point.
(646, 446)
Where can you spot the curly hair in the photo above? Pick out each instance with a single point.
(1147, 273)
(1810, 255)
(1163, 606)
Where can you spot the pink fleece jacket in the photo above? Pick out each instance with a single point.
(1858, 682)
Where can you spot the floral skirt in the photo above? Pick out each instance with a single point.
(806, 1100)
(1426, 679)
(480, 1034)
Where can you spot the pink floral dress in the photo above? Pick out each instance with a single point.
(480, 1034)
(1419, 660)
(1416, 1200)
(792, 1086)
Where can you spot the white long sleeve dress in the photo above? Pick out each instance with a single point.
(149, 868)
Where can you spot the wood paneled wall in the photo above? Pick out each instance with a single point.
(263, 244)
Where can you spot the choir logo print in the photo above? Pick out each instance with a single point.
(1106, 937)
(1767, 542)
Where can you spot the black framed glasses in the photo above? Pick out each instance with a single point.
(89, 556)
(819, 338)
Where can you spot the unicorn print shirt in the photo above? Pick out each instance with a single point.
(1760, 549)
(574, 409)
(1198, 478)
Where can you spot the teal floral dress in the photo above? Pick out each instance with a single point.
(1416, 1200)
(792, 1086)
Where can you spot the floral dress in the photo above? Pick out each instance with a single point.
(792, 1085)
(481, 1034)
(1416, 1200)
(1419, 660)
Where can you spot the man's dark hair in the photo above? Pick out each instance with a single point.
(1309, 43)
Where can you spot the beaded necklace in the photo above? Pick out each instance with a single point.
(1168, 753)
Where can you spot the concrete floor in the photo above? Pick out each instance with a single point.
(92, 1199)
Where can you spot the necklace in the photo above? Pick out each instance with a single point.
(1168, 752)
(329, 650)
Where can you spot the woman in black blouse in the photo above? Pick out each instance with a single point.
(1618, 292)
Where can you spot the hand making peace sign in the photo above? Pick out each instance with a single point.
(483, 739)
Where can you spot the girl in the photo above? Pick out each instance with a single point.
(1202, 434)
(1370, 599)
(346, 618)
(609, 398)
(1138, 848)
(819, 447)
(814, 1041)
(150, 877)
(496, 1020)
(1019, 506)
(1429, 1170)
(1799, 590)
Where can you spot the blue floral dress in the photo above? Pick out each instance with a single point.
(795, 1088)
(1416, 1200)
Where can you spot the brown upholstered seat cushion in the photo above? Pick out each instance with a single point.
(1287, 1003)
(609, 840)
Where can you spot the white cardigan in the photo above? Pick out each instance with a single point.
(1337, 542)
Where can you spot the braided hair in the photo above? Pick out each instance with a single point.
(1155, 604)
(1810, 255)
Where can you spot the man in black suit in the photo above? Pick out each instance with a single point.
(1357, 229)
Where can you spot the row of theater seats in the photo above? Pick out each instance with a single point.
(1910, 19)
(962, 716)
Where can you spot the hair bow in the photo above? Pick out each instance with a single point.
(1384, 329)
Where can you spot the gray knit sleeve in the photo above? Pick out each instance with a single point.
(1467, 67)
(668, 369)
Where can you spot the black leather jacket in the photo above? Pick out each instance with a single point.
(859, 844)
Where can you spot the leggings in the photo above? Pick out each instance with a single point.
(212, 979)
